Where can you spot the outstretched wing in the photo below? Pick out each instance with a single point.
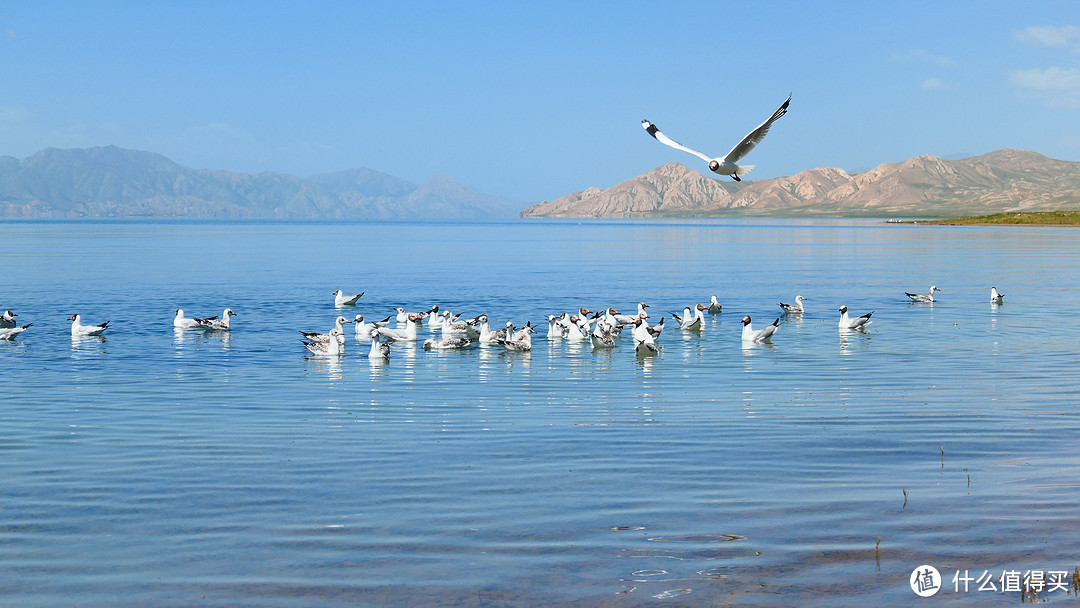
(667, 141)
(754, 137)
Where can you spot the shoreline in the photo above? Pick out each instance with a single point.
(1024, 218)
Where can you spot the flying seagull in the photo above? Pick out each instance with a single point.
(725, 165)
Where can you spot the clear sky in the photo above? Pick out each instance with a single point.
(534, 100)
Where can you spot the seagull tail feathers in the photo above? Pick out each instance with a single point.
(741, 170)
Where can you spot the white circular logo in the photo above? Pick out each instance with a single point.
(925, 581)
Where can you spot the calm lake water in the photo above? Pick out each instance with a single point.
(151, 469)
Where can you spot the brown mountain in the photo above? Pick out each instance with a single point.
(924, 186)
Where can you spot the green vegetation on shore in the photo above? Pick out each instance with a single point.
(1028, 218)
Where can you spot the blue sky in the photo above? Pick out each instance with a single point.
(532, 101)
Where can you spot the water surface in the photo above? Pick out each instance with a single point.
(154, 469)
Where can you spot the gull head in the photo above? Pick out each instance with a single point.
(843, 309)
(746, 320)
(714, 166)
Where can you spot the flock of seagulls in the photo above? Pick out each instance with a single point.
(602, 329)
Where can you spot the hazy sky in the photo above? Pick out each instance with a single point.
(534, 100)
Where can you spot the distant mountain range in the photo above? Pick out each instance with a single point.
(924, 186)
(110, 182)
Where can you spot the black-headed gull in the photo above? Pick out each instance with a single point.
(996, 297)
(315, 336)
(363, 330)
(579, 325)
(451, 326)
(796, 308)
(655, 330)
(714, 306)
(923, 297)
(8, 319)
(451, 343)
(644, 339)
(725, 165)
(749, 334)
(182, 322)
(340, 299)
(613, 325)
(379, 350)
(406, 334)
(334, 344)
(10, 333)
(433, 318)
(557, 327)
(486, 336)
(520, 341)
(627, 319)
(602, 336)
(222, 324)
(403, 316)
(79, 330)
(847, 322)
(691, 319)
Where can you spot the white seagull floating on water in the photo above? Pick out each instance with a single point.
(222, 324)
(79, 330)
(602, 336)
(847, 322)
(520, 341)
(10, 333)
(691, 319)
(363, 330)
(714, 306)
(556, 327)
(379, 350)
(451, 343)
(182, 322)
(340, 299)
(315, 336)
(796, 308)
(403, 316)
(749, 334)
(725, 165)
(995, 297)
(627, 319)
(334, 344)
(406, 334)
(8, 319)
(644, 338)
(923, 297)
